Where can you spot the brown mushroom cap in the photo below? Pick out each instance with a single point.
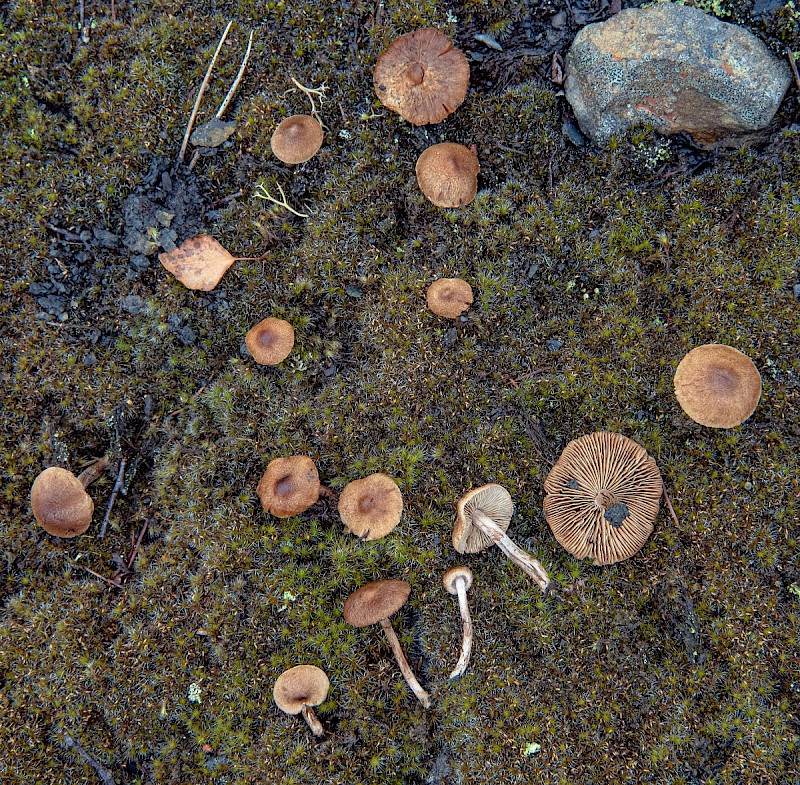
(375, 601)
(270, 341)
(60, 503)
(447, 173)
(289, 486)
(371, 507)
(717, 385)
(303, 685)
(453, 574)
(602, 497)
(449, 297)
(495, 502)
(296, 139)
(421, 76)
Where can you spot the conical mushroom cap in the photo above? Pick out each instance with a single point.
(289, 486)
(421, 76)
(717, 386)
(303, 685)
(371, 507)
(602, 497)
(495, 502)
(270, 341)
(447, 173)
(296, 139)
(449, 297)
(375, 601)
(60, 504)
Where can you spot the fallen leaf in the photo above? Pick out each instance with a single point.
(198, 263)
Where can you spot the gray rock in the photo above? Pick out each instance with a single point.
(675, 67)
(212, 134)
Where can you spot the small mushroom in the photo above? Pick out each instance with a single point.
(371, 507)
(484, 514)
(449, 297)
(270, 341)
(297, 139)
(458, 580)
(298, 689)
(447, 173)
(59, 501)
(374, 603)
(290, 486)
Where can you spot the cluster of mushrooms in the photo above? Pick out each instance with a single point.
(601, 496)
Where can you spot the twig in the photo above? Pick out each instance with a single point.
(136, 546)
(229, 97)
(793, 66)
(114, 492)
(263, 193)
(102, 772)
(115, 584)
(65, 233)
(669, 504)
(200, 95)
(225, 200)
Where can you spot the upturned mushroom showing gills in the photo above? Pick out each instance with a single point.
(300, 688)
(483, 515)
(374, 603)
(458, 580)
(290, 486)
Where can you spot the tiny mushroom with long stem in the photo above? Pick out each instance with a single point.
(300, 688)
(483, 516)
(458, 580)
(374, 603)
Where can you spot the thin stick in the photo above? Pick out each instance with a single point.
(98, 575)
(115, 490)
(138, 543)
(669, 504)
(793, 66)
(200, 96)
(229, 97)
(102, 772)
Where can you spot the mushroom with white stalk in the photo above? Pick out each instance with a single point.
(300, 688)
(374, 603)
(458, 580)
(483, 515)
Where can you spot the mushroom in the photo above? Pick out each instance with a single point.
(447, 173)
(458, 580)
(290, 486)
(717, 386)
(59, 501)
(483, 516)
(449, 297)
(298, 689)
(374, 603)
(270, 341)
(296, 139)
(602, 497)
(371, 507)
(421, 76)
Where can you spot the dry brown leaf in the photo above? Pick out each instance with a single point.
(198, 262)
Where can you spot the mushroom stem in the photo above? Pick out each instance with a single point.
(94, 471)
(526, 562)
(466, 640)
(311, 720)
(405, 668)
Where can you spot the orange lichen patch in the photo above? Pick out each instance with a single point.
(449, 297)
(447, 174)
(297, 139)
(198, 263)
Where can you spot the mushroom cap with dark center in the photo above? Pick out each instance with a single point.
(451, 577)
(289, 486)
(60, 504)
(495, 502)
(717, 386)
(270, 341)
(303, 685)
(421, 76)
(371, 507)
(602, 497)
(449, 297)
(447, 173)
(296, 139)
(375, 601)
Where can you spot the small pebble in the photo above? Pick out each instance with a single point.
(489, 40)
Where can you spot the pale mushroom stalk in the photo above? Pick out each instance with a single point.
(94, 471)
(466, 639)
(311, 720)
(405, 668)
(531, 566)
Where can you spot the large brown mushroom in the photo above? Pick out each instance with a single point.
(374, 603)
(458, 580)
(447, 173)
(297, 139)
(270, 341)
(300, 688)
(483, 515)
(59, 501)
(717, 386)
(449, 297)
(602, 497)
(371, 507)
(422, 77)
(290, 486)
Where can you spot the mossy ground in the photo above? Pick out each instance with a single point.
(678, 666)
